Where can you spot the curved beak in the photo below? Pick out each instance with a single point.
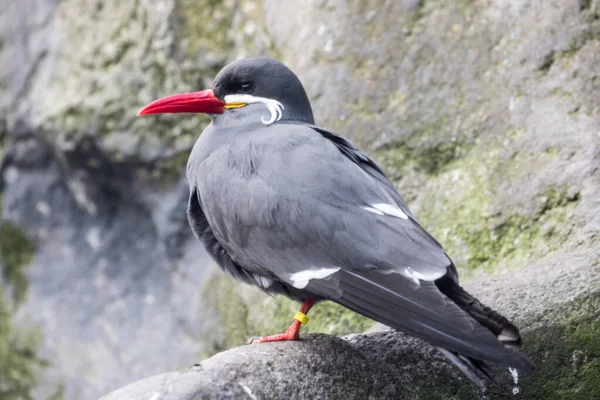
(195, 102)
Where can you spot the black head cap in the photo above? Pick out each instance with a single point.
(269, 78)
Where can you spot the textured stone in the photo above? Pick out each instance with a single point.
(484, 113)
(383, 364)
(245, 311)
(479, 111)
(116, 272)
(83, 68)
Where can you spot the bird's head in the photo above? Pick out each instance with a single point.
(251, 81)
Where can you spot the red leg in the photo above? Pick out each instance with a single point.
(292, 333)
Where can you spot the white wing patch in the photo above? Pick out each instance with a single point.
(275, 107)
(374, 210)
(418, 276)
(413, 275)
(386, 209)
(300, 279)
(262, 281)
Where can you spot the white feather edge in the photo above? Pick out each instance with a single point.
(300, 279)
(275, 107)
(263, 281)
(386, 209)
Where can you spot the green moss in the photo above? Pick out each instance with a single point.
(547, 62)
(75, 119)
(325, 317)
(233, 312)
(16, 251)
(111, 117)
(158, 76)
(458, 210)
(203, 26)
(60, 392)
(331, 318)
(251, 15)
(428, 158)
(18, 359)
(585, 5)
(566, 351)
(246, 312)
(169, 169)
(523, 163)
(562, 344)
(122, 50)
(200, 35)
(432, 159)
(518, 238)
(568, 356)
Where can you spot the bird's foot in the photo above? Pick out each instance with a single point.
(293, 333)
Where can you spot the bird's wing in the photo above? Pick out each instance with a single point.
(347, 148)
(288, 197)
(295, 205)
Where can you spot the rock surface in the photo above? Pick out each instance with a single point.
(485, 114)
(114, 283)
(385, 364)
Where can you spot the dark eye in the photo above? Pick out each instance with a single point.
(245, 87)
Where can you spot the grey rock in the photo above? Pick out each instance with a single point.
(384, 364)
(311, 368)
(77, 68)
(116, 275)
(115, 272)
(485, 115)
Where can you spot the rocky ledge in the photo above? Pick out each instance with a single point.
(556, 308)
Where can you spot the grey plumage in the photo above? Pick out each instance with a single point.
(291, 201)
(297, 209)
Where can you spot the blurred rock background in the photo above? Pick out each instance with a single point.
(485, 113)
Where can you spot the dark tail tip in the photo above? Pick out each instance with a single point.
(506, 332)
(470, 367)
(509, 336)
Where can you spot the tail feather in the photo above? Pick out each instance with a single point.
(504, 330)
(468, 366)
(418, 310)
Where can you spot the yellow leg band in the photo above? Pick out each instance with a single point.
(300, 316)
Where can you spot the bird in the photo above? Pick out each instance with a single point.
(297, 209)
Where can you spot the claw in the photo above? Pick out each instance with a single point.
(253, 340)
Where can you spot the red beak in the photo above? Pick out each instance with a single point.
(195, 102)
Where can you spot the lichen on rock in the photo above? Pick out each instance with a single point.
(559, 336)
(246, 311)
(19, 362)
(16, 251)
(564, 345)
(120, 56)
(459, 207)
(484, 114)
